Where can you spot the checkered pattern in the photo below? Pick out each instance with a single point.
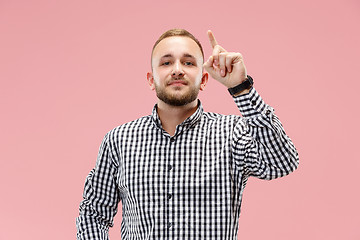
(186, 186)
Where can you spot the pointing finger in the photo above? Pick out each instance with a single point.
(212, 39)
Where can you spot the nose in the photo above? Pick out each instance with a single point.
(177, 70)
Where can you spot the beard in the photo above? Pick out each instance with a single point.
(175, 99)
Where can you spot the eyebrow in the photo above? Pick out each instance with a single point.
(185, 55)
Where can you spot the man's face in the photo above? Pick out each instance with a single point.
(177, 71)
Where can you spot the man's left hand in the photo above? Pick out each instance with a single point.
(226, 67)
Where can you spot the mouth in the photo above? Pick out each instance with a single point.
(177, 83)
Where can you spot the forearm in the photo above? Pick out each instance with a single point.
(100, 197)
(270, 152)
(89, 228)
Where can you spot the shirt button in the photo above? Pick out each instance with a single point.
(169, 225)
(172, 139)
(253, 102)
(170, 167)
(170, 196)
(267, 112)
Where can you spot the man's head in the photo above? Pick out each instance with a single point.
(177, 68)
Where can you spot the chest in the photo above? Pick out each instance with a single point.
(154, 164)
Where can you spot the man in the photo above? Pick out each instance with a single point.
(180, 172)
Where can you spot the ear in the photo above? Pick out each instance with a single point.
(204, 80)
(150, 79)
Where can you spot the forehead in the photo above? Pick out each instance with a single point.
(177, 46)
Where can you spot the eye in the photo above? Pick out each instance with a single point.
(189, 64)
(166, 63)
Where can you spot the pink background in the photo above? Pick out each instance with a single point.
(72, 70)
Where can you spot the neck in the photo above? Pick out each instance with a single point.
(171, 116)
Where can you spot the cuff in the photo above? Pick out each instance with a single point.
(251, 104)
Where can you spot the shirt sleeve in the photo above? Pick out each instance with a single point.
(101, 196)
(261, 147)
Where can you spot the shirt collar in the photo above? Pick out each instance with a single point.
(195, 117)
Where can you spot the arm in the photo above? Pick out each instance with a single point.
(101, 196)
(261, 147)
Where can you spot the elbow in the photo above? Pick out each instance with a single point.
(293, 162)
(295, 158)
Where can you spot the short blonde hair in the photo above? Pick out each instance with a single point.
(177, 32)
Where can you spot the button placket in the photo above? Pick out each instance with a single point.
(169, 197)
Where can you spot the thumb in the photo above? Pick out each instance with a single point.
(208, 65)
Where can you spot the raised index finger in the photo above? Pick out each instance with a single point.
(212, 39)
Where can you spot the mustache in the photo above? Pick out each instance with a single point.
(177, 80)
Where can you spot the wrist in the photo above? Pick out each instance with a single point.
(243, 92)
(234, 84)
(242, 88)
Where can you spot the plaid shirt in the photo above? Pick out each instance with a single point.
(186, 186)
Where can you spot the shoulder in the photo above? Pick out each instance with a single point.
(135, 125)
(218, 117)
(232, 121)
